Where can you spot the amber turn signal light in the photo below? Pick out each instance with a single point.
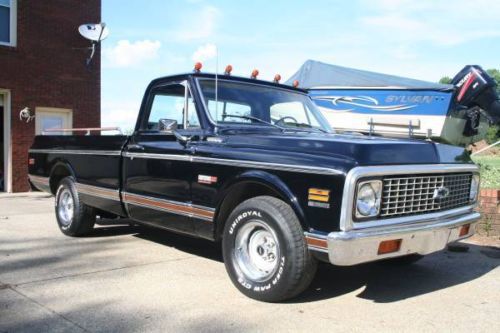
(389, 246)
(464, 230)
(197, 67)
(255, 73)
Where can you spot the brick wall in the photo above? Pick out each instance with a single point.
(489, 206)
(47, 69)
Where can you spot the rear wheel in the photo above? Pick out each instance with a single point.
(73, 217)
(265, 252)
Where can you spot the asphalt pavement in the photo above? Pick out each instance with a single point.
(135, 279)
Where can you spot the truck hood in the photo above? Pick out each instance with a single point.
(353, 150)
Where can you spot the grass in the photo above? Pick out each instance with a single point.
(490, 170)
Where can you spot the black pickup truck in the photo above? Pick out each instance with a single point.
(254, 164)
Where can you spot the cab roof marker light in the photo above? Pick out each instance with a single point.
(277, 78)
(228, 70)
(255, 73)
(197, 67)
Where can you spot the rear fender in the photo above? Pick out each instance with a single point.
(60, 170)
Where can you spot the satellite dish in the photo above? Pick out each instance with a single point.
(95, 32)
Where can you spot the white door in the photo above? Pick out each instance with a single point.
(51, 119)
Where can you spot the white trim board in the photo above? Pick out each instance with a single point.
(7, 139)
(65, 114)
(13, 25)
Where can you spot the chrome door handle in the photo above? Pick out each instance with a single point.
(135, 147)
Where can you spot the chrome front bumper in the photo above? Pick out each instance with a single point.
(346, 248)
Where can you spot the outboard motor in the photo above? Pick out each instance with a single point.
(476, 89)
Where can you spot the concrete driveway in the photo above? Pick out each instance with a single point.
(128, 279)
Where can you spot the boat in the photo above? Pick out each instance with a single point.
(370, 103)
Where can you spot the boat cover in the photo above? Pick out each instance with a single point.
(314, 74)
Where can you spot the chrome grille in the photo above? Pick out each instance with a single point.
(410, 195)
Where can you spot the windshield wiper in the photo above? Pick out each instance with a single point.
(254, 118)
(303, 126)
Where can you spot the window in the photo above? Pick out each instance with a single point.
(278, 106)
(49, 119)
(224, 110)
(294, 112)
(169, 102)
(8, 24)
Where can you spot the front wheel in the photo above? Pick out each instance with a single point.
(73, 217)
(265, 252)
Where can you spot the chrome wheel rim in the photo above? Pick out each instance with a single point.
(256, 251)
(65, 207)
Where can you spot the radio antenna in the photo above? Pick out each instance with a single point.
(216, 83)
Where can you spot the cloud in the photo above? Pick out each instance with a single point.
(200, 25)
(121, 114)
(205, 52)
(439, 22)
(128, 54)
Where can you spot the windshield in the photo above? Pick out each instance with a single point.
(245, 103)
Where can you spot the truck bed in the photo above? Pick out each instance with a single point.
(96, 161)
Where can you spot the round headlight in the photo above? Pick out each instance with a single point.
(367, 203)
(474, 188)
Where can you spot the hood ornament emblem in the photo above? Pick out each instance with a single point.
(441, 193)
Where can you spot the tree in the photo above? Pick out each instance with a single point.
(445, 80)
(493, 134)
(495, 74)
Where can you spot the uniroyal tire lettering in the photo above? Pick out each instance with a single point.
(243, 216)
(260, 288)
(280, 271)
(244, 283)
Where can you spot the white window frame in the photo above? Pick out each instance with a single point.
(13, 25)
(7, 153)
(49, 110)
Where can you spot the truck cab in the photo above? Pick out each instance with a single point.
(255, 165)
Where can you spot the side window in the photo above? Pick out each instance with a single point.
(169, 102)
(192, 119)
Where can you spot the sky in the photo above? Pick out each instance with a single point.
(424, 39)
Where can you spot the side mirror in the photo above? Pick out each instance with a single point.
(183, 140)
(167, 125)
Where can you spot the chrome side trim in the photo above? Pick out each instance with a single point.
(169, 206)
(76, 152)
(168, 157)
(98, 191)
(238, 163)
(346, 222)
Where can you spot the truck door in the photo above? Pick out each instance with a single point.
(157, 168)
